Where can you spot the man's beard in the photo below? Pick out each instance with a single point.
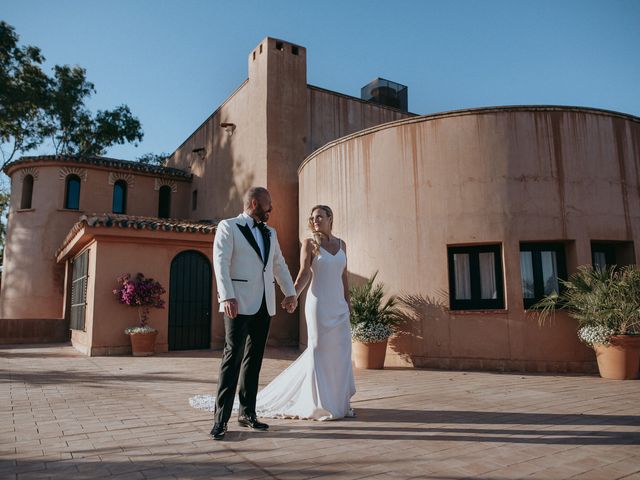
(262, 214)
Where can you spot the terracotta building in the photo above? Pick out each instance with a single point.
(61, 261)
(475, 214)
(471, 214)
(84, 221)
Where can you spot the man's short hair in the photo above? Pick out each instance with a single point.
(254, 192)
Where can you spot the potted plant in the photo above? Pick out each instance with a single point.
(143, 293)
(606, 304)
(372, 323)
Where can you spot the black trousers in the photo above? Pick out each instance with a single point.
(245, 339)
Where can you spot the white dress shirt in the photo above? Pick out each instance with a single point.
(257, 234)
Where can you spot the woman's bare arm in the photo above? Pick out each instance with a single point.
(345, 277)
(304, 275)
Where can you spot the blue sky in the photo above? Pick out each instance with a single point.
(174, 61)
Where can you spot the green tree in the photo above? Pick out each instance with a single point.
(154, 159)
(24, 95)
(35, 107)
(74, 130)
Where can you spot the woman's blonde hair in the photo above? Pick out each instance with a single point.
(317, 236)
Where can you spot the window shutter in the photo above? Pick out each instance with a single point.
(79, 290)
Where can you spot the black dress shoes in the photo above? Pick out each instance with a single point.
(218, 430)
(251, 422)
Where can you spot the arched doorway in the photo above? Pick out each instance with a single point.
(190, 301)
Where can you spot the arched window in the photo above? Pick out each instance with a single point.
(164, 202)
(27, 191)
(120, 197)
(72, 193)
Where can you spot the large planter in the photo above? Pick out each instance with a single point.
(369, 355)
(143, 344)
(621, 359)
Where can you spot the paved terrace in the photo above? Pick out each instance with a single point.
(64, 415)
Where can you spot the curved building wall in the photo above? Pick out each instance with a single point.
(404, 192)
(33, 283)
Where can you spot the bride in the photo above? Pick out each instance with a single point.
(319, 384)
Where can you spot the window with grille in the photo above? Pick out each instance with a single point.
(80, 267)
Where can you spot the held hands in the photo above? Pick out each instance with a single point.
(231, 306)
(290, 303)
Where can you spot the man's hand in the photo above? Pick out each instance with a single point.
(231, 308)
(290, 303)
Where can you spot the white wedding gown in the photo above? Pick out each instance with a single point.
(319, 384)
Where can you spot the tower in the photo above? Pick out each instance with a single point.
(278, 82)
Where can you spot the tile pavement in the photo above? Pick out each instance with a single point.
(63, 415)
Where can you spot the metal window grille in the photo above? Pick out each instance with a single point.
(79, 290)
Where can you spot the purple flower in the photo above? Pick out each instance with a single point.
(140, 292)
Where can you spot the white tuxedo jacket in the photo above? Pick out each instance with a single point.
(240, 270)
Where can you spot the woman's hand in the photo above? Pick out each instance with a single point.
(290, 303)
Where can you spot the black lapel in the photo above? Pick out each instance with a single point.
(246, 231)
(266, 238)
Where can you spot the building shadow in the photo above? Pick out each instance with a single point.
(458, 426)
(39, 350)
(98, 379)
(471, 417)
(271, 353)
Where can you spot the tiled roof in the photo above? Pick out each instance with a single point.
(109, 220)
(149, 223)
(103, 162)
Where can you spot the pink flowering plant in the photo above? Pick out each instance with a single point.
(140, 292)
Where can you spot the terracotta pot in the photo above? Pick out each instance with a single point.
(621, 359)
(143, 344)
(369, 355)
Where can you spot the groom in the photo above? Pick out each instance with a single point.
(246, 258)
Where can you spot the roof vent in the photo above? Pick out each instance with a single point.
(386, 92)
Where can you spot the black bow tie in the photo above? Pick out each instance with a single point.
(260, 225)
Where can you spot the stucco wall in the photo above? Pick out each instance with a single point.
(114, 252)
(33, 283)
(332, 115)
(277, 120)
(403, 192)
(232, 159)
